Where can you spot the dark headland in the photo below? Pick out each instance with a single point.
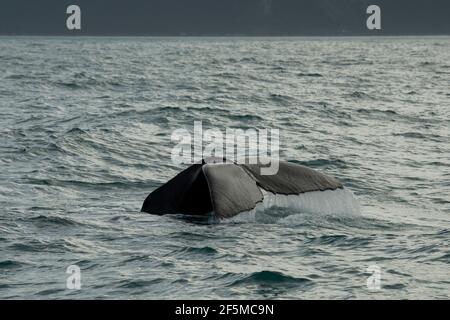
(225, 17)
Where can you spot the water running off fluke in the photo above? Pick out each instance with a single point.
(226, 189)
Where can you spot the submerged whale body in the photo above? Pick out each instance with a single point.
(226, 189)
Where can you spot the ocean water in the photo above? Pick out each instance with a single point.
(85, 126)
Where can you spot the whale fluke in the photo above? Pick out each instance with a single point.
(292, 179)
(227, 188)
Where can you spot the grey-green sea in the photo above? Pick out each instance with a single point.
(85, 136)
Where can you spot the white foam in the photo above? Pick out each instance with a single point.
(339, 202)
(335, 202)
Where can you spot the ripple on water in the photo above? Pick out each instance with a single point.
(48, 221)
(271, 278)
(10, 264)
(138, 284)
(189, 251)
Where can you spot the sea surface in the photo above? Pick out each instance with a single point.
(85, 136)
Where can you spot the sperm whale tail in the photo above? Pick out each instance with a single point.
(228, 188)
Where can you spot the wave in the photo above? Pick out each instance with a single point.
(339, 240)
(17, 76)
(443, 233)
(227, 75)
(245, 117)
(77, 131)
(197, 250)
(273, 278)
(125, 184)
(444, 258)
(37, 246)
(323, 163)
(427, 63)
(280, 98)
(10, 264)
(85, 83)
(377, 111)
(360, 95)
(419, 135)
(135, 284)
(54, 220)
(316, 75)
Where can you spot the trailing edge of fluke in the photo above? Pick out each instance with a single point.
(228, 188)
